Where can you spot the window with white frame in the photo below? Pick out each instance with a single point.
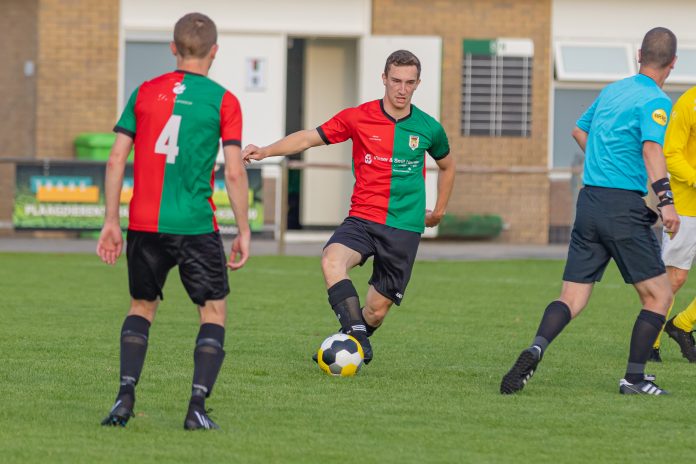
(684, 71)
(594, 61)
(497, 87)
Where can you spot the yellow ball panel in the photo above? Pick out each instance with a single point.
(349, 370)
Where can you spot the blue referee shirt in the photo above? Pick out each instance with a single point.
(624, 115)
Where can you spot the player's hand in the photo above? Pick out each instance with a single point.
(110, 243)
(432, 219)
(670, 219)
(252, 152)
(240, 251)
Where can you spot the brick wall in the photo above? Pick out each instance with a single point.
(521, 199)
(77, 78)
(17, 91)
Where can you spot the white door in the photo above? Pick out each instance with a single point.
(373, 52)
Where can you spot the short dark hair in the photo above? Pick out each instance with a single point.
(402, 58)
(194, 35)
(659, 48)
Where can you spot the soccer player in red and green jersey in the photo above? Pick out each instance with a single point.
(387, 214)
(176, 122)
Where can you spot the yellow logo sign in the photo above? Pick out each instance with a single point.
(660, 117)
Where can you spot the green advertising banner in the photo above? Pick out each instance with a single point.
(64, 195)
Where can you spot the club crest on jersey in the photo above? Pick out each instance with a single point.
(368, 158)
(179, 88)
(413, 141)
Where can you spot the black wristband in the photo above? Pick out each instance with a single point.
(661, 185)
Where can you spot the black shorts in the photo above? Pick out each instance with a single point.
(612, 223)
(201, 260)
(394, 251)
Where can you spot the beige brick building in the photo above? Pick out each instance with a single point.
(521, 198)
(64, 81)
(59, 79)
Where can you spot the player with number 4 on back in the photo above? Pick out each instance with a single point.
(176, 122)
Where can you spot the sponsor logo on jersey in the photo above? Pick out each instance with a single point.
(179, 88)
(413, 141)
(368, 158)
(660, 117)
(375, 138)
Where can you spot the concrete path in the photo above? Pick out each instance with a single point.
(300, 244)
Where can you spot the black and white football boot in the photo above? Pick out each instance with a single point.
(644, 387)
(121, 411)
(520, 372)
(197, 419)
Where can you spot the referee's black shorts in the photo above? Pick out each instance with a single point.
(201, 260)
(394, 251)
(612, 223)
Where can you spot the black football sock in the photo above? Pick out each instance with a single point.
(648, 325)
(134, 335)
(207, 360)
(554, 320)
(345, 303)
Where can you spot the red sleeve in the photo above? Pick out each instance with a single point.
(230, 121)
(339, 128)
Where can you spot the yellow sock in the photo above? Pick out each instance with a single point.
(656, 345)
(685, 320)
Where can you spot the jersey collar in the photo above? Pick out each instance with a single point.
(188, 72)
(381, 106)
(646, 79)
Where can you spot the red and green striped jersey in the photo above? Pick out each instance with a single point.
(388, 161)
(176, 121)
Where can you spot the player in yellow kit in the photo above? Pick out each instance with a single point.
(678, 253)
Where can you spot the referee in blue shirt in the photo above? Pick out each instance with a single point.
(622, 135)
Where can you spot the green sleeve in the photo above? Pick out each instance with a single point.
(126, 124)
(440, 146)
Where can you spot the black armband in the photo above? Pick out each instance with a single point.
(661, 185)
(667, 198)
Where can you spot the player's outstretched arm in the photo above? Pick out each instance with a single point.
(657, 170)
(288, 145)
(237, 185)
(110, 241)
(445, 182)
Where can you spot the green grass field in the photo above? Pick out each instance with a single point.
(430, 395)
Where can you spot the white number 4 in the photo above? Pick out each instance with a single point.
(167, 142)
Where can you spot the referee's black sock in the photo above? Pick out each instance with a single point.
(207, 361)
(345, 303)
(645, 330)
(134, 335)
(554, 320)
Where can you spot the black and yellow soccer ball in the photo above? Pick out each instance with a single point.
(340, 355)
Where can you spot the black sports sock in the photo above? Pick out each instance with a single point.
(554, 320)
(207, 360)
(648, 325)
(134, 335)
(345, 303)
